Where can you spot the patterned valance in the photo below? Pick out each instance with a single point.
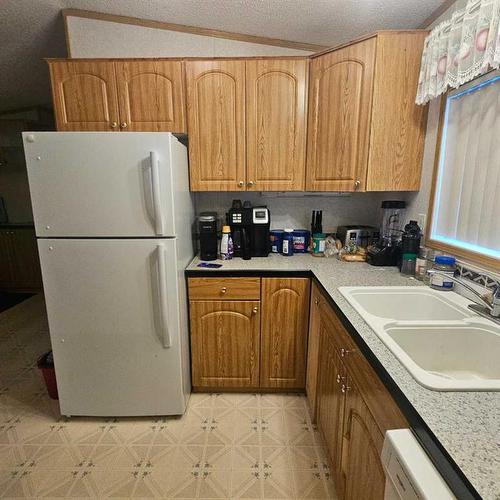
(459, 49)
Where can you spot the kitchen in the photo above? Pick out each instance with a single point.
(269, 274)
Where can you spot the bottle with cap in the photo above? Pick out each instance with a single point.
(287, 245)
(226, 244)
(446, 266)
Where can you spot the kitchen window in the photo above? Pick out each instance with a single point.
(465, 201)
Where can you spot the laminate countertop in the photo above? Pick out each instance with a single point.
(459, 430)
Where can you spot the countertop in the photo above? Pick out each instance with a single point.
(466, 424)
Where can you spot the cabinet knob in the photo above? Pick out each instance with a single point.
(114, 124)
(250, 183)
(345, 388)
(340, 378)
(255, 310)
(123, 125)
(344, 352)
(316, 301)
(357, 184)
(241, 184)
(223, 289)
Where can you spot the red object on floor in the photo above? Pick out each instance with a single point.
(46, 366)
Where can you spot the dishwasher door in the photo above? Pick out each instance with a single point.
(410, 474)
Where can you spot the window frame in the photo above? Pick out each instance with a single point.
(468, 255)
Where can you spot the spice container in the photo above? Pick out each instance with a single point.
(276, 239)
(446, 266)
(300, 240)
(287, 246)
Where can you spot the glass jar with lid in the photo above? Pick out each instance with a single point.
(445, 265)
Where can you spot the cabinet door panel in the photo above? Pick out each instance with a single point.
(216, 124)
(313, 350)
(151, 95)
(225, 343)
(331, 401)
(84, 94)
(361, 463)
(276, 100)
(339, 113)
(285, 314)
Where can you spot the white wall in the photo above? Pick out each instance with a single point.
(94, 38)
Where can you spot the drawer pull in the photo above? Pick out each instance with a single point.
(344, 352)
(345, 388)
(223, 289)
(340, 378)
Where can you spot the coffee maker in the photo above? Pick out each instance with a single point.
(259, 236)
(207, 227)
(387, 252)
(239, 218)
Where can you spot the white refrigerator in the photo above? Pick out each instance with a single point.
(113, 217)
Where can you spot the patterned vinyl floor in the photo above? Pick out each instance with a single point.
(225, 446)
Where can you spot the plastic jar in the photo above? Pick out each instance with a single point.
(276, 239)
(446, 266)
(300, 240)
(318, 244)
(287, 246)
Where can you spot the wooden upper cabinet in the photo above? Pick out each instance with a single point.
(285, 315)
(151, 95)
(276, 104)
(339, 118)
(398, 125)
(216, 124)
(225, 343)
(84, 94)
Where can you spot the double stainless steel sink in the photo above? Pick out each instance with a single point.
(442, 343)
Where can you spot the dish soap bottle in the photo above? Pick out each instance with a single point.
(226, 244)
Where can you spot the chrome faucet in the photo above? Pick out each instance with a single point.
(485, 309)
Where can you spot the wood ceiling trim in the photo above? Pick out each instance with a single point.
(149, 23)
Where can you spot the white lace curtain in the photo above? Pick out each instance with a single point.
(459, 49)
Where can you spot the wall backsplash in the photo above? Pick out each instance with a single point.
(295, 211)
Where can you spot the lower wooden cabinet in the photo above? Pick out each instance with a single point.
(236, 345)
(313, 350)
(285, 315)
(225, 343)
(19, 263)
(353, 409)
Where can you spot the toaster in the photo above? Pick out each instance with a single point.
(363, 236)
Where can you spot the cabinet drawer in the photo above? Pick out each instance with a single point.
(224, 288)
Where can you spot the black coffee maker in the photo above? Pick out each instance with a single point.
(259, 238)
(207, 227)
(239, 218)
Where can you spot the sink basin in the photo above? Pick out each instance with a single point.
(440, 357)
(444, 345)
(406, 303)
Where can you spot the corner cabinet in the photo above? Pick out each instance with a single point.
(248, 333)
(365, 132)
(216, 124)
(118, 95)
(247, 124)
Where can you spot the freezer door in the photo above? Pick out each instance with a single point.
(92, 184)
(113, 310)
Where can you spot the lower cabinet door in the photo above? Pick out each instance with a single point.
(225, 343)
(285, 319)
(363, 440)
(330, 403)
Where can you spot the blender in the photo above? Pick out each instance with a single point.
(387, 252)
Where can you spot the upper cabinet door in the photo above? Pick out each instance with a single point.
(216, 124)
(276, 99)
(339, 114)
(151, 95)
(84, 94)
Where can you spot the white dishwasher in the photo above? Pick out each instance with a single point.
(410, 474)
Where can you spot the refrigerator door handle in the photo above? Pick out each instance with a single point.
(162, 271)
(155, 187)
